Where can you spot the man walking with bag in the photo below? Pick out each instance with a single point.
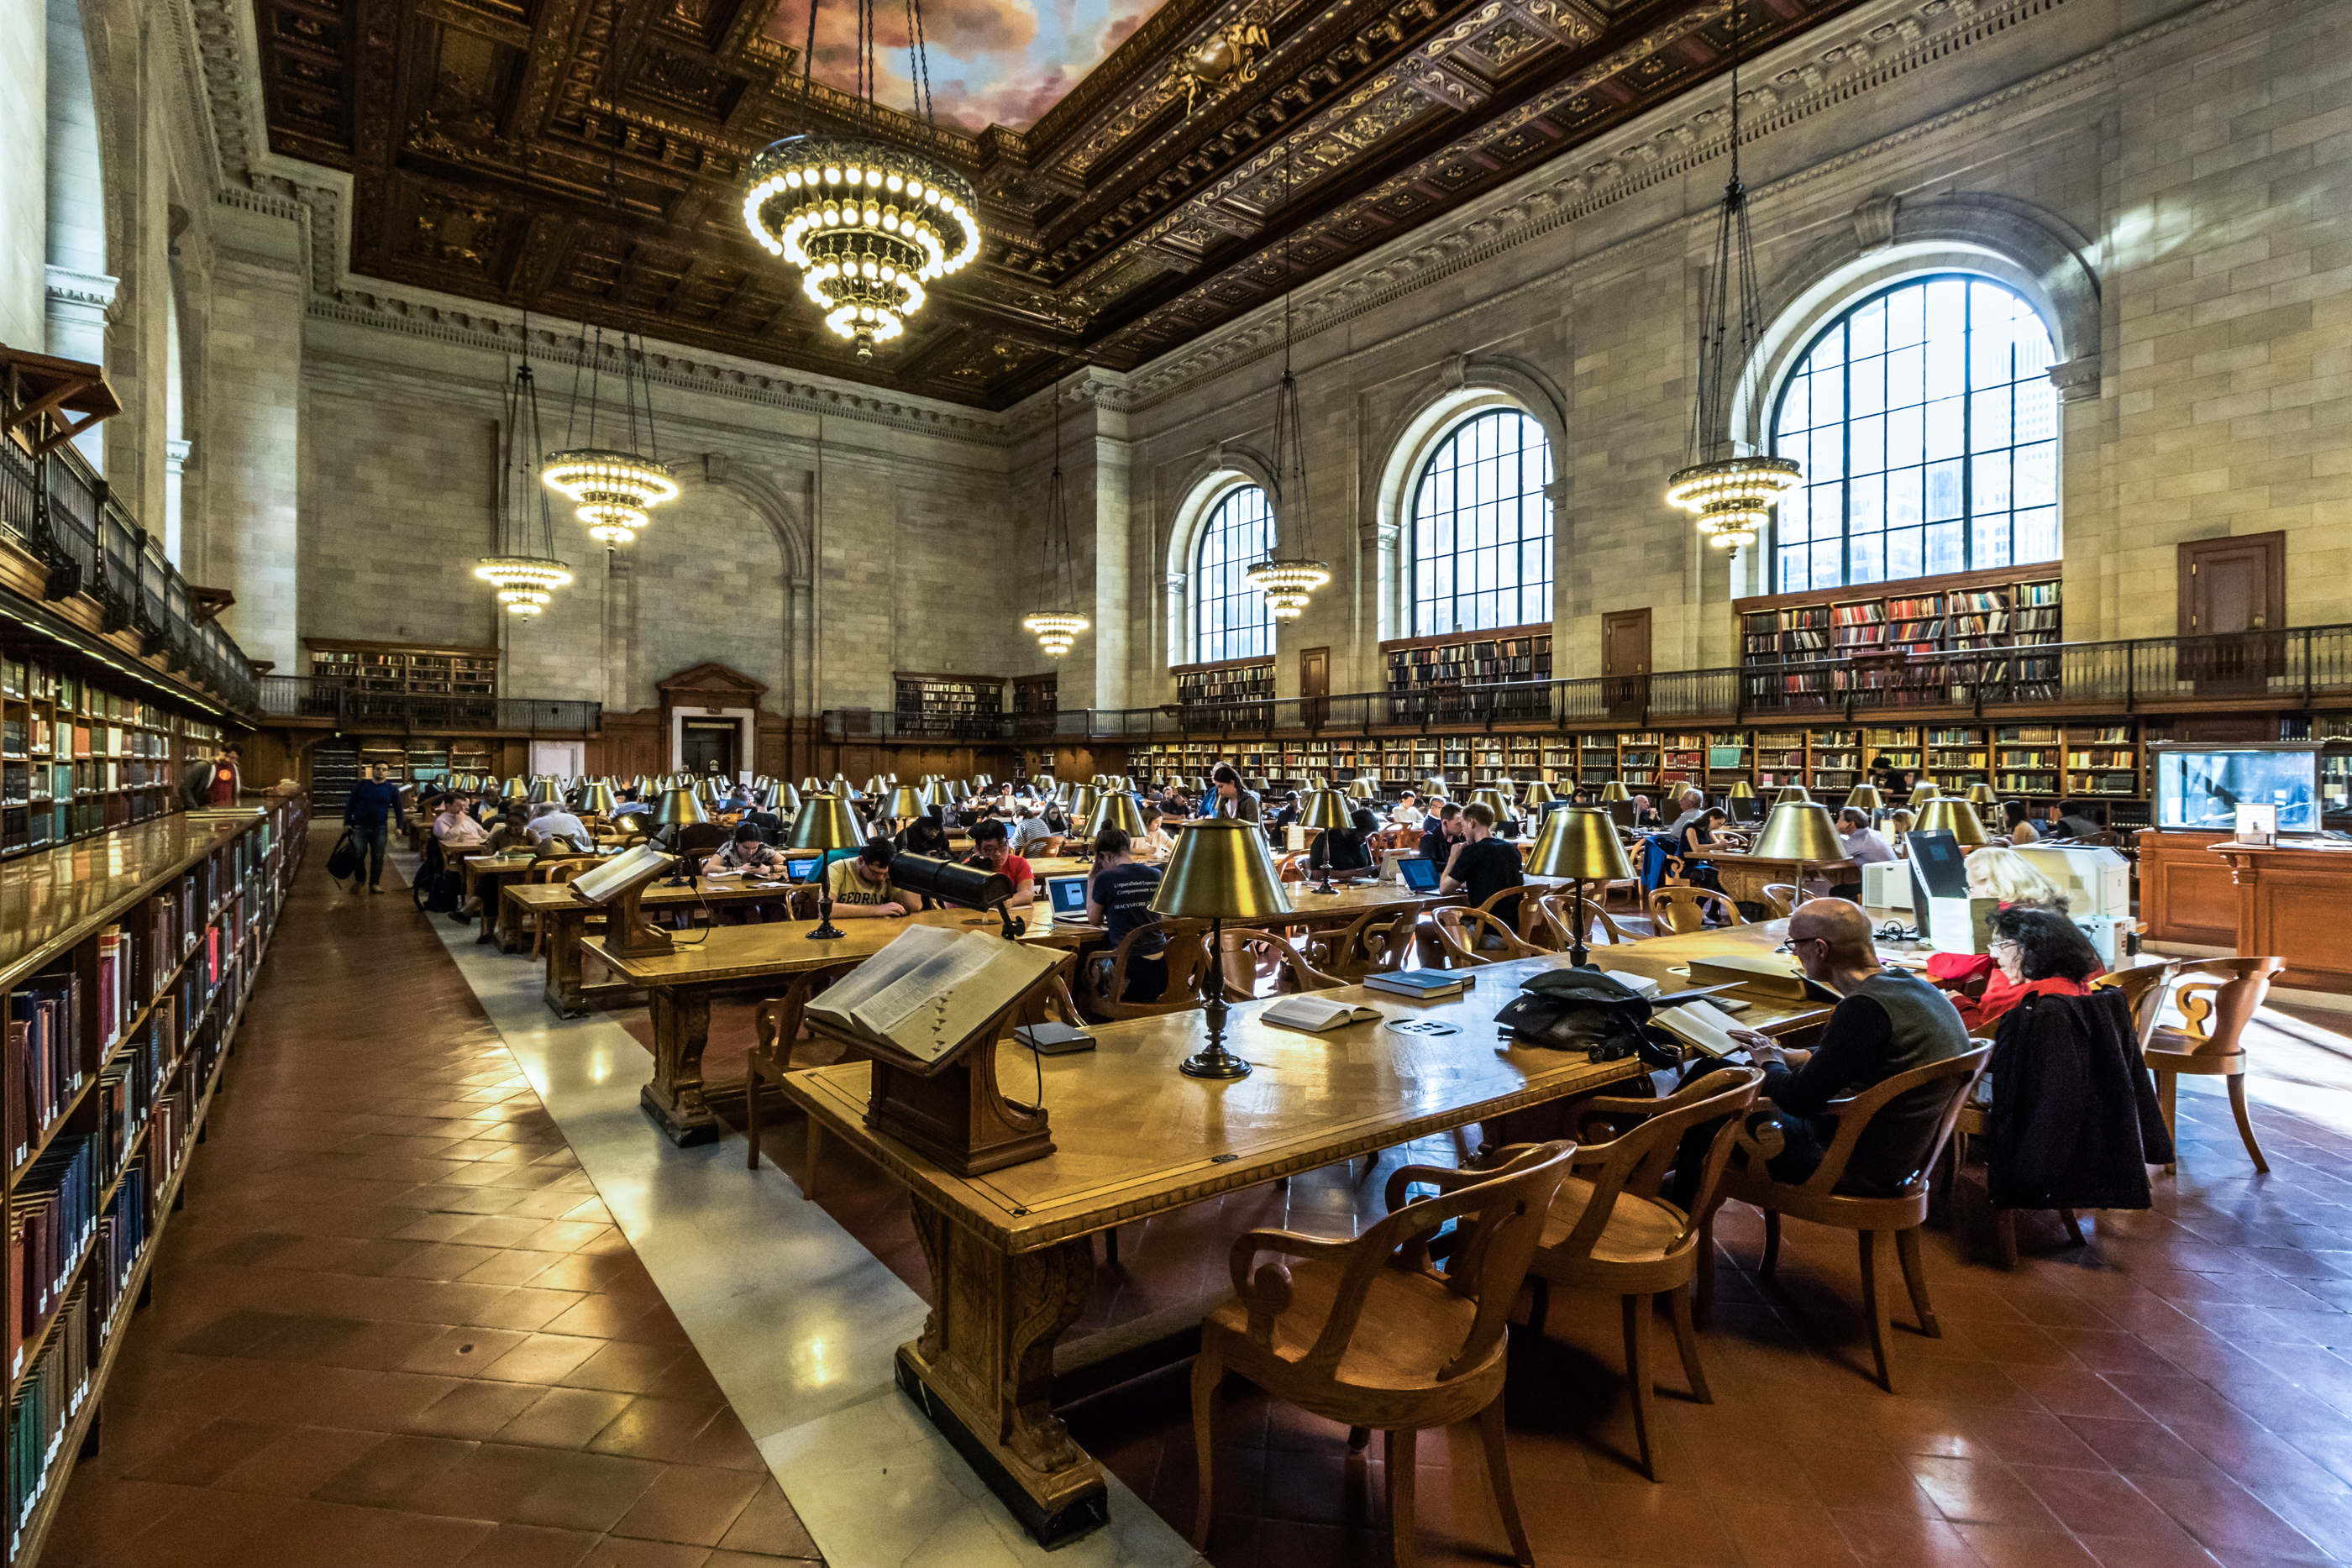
(372, 800)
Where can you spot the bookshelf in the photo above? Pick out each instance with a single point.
(79, 757)
(1035, 695)
(1230, 681)
(1427, 674)
(123, 1004)
(407, 667)
(1851, 639)
(945, 705)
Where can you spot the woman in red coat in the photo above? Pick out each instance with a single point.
(2010, 878)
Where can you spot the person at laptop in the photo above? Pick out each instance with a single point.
(1157, 843)
(1344, 849)
(1692, 805)
(1406, 812)
(1119, 899)
(924, 836)
(1862, 845)
(992, 848)
(746, 852)
(860, 885)
(1646, 814)
(1230, 799)
(1483, 865)
(2018, 823)
(1886, 1022)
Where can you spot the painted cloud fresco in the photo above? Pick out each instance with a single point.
(993, 62)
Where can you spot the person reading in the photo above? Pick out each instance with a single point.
(860, 886)
(550, 821)
(1119, 899)
(1886, 1021)
(1692, 805)
(923, 836)
(746, 852)
(1483, 865)
(1157, 843)
(1345, 849)
(992, 847)
(1406, 812)
(1230, 800)
(513, 832)
(2017, 823)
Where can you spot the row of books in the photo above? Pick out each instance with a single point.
(44, 1403)
(52, 1214)
(45, 1061)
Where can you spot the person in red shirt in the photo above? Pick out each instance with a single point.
(992, 847)
(222, 791)
(2035, 952)
(2015, 883)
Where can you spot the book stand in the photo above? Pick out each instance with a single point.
(950, 1110)
(628, 933)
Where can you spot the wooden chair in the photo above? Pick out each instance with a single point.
(555, 873)
(1268, 955)
(1678, 911)
(1555, 926)
(1187, 952)
(1375, 942)
(1291, 867)
(1407, 838)
(1782, 896)
(2215, 1014)
(1369, 1332)
(1607, 1233)
(1817, 1199)
(1462, 936)
(2143, 986)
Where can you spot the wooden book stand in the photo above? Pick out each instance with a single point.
(627, 933)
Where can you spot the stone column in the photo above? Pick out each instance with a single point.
(75, 307)
(24, 181)
(254, 407)
(1112, 457)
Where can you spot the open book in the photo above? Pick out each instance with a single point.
(931, 989)
(1700, 1025)
(1315, 1016)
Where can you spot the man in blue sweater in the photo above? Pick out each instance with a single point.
(371, 800)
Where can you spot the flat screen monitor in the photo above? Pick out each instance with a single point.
(2204, 790)
(802, 868)
(1938, 864)
(1620, 811)
(1069, 896)
(1751, 809)
(1421, 875)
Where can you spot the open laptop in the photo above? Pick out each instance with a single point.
(1420, 874)
(802, 868)
(1068, 895)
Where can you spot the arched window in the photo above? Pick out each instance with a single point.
(1929, 431)
(1230, 620)
(1481, 527)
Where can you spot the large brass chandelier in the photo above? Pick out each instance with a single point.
(1286, 583)
(1732, 494)
(866, 220)
(526, 579)
(1056, 627)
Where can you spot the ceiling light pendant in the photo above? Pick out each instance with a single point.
(1732, 494)
(1056, 628)
(866, 220)
(527, 576)
(1287, 582)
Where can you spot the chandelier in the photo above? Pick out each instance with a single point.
(527, 579)
(868, 222)
(1286, 582)
(1057, 630)
(1732, 494)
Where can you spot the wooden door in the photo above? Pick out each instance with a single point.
(1314, 685)
(1625, 662)
(2233, 608)
(709, 748)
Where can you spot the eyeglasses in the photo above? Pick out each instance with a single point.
(1997, 944)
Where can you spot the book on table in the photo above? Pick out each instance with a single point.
(1424, 983)
(929, 990)
(1700, 1025)
(1314, 1015)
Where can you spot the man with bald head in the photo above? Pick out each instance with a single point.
(1886, 1021)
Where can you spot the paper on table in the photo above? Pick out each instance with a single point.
(1699, 1024)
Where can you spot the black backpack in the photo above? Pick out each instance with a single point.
(439, 886)
(1584, 1010)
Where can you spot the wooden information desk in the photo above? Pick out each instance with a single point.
(2290, 902)
(1745, 876)
(1008, 1250)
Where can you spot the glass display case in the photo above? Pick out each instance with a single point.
(2200, 788)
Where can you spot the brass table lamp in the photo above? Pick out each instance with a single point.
(515, 789)
(783, 798)
(1493, 801)
(1800, 831)
(1793, 795)
(1580, 843)
(597, 799)
(1950, 814)
(1363, 786)
(1219, 871)
(1615, 790)
(1083, 802)
(1922, 792)
(1539, 794)
(678, 809)
(905, 804)
(1437, 788)
(1863, 798)
(543, 791)
(1981, 795)
(827, 823)
(1115, 809)
(1324, 811)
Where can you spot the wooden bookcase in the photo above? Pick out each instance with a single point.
(123, 1004)
(1035, 693)
(942, 705)
(401, 667)
(79, 757)
(1426, 674)
(1227, 681)
(1875, 635)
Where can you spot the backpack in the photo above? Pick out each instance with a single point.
(439, 886)
(343, 863)
(1584, 1010)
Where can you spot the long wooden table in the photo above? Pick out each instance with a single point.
(1009, 1257)
(1745, 876)
(564, 916)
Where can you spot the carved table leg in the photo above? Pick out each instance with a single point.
(511, 938)
(563, 989)
(984, 1370)
(681, 1019)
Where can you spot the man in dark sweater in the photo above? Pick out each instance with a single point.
(371, 800)
(1888, 1021)
(1484, 865)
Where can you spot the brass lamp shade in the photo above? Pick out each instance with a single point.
(826, 822)
(543, 791)
(784, 798)
(598, 800)
(1494, 802)
(1540, 793)
(1220, 869)
(1325, 809)
(515, 789)
(1363, 787)
(1116, 809)
(1615, 790)
(1743, 791)
(1950, 814)
(904, 802)
(875, 787)
(1863, 798)
(809, 786)
(1982, 795)
(678, 809)
(1793, 795)
(638, 784)
(1083, 802)
(1800, 831)
(1579, 842)
(981, 780)
(1437, 787)
(1922, 792)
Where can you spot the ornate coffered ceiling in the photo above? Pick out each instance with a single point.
(586, 157)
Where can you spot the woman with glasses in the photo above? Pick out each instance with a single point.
(2035, 952)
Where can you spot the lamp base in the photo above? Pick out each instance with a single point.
(1214, 1062)
(826, 931)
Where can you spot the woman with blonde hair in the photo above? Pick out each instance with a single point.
(2015, 883)
(2012, 880)
(1898, 828)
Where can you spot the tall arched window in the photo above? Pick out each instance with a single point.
(1230, 620)
(1481, 527)
(1929, 431)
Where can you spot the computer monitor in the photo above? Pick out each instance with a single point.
(1753, 808)
(1419, 874)
(1069, 896)
(802, 868)
(1949, 920)
(1620, 811)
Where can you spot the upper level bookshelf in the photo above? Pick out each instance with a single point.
(1426, 674)
(1035, 693)
(78, 756)
(1901, 636)
(941, 703)
(407, 667)
(1226, 681)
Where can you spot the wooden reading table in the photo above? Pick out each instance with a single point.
(564, 917)
(1744, 876)
(1008, 1250)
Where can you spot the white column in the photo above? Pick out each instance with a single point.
(24, 177)
(74, 309)
(1112, 488)
(176, 464)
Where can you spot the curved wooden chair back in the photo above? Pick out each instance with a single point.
(1267, 954)
(1782, 897)
(1637, 1158)
(1407, 838)
(1462, 936)
(1955, 1074)
(1375, 942)
(1291, 867)
(2216, 1011)
(2143, 987)
(1187, 953)
(1524, 915)
(1677, 911)
(1555, 928)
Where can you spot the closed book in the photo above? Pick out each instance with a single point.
(1450, 984)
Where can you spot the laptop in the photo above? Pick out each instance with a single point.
(1069, 897)
(1419, 874)
(802, 868)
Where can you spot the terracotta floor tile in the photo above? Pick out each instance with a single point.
(768, 1526)
(553, 1487)
(543, 1358)
(565, 1417)
(690, 1504)
(663, 1429)
(388, 1474)
(530, 1546)
(298, 1462)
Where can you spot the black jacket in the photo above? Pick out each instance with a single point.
(2074, 1122)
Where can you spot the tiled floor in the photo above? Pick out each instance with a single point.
(395, 1324)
